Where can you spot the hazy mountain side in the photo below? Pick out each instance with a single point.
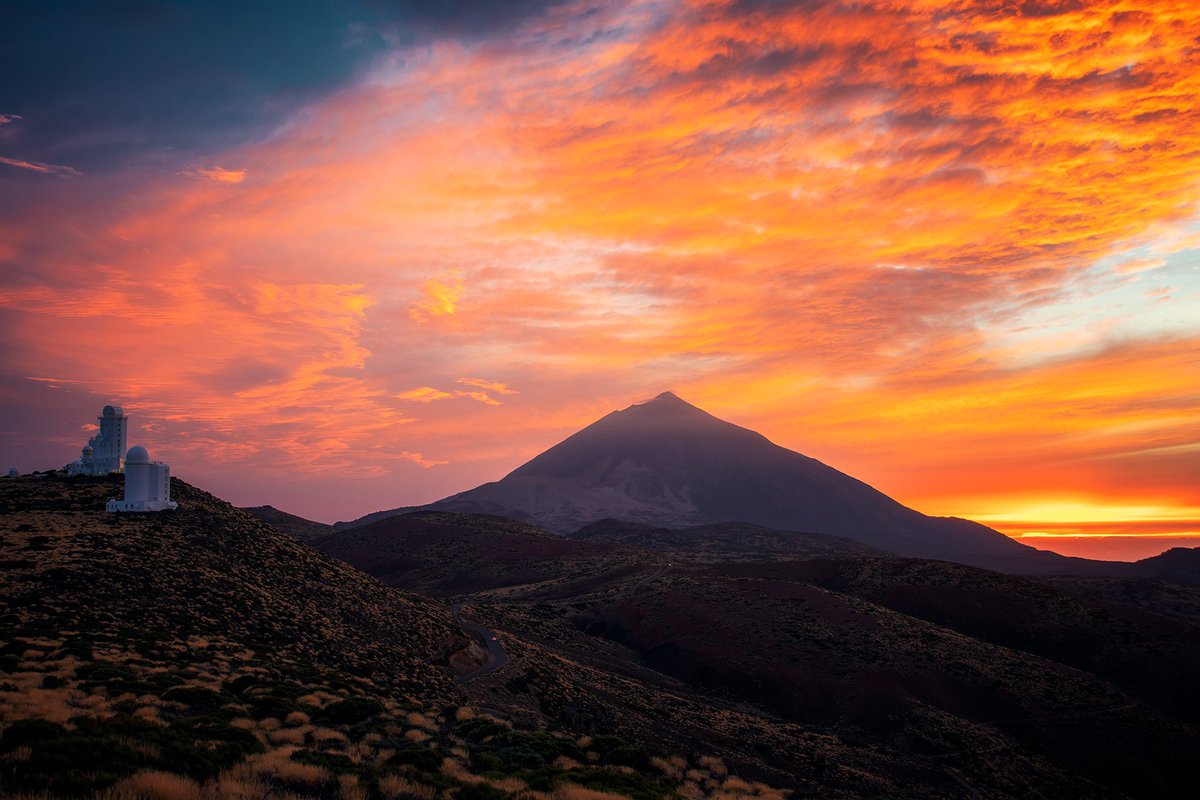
(920, 697)
(1145, 594)
(444, 554)
(731, 541)
(828, 659)
(303, 529)
(814, 761)
(1145, 654)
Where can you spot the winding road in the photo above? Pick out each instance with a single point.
(497, 657)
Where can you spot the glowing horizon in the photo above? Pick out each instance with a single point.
(952, 250)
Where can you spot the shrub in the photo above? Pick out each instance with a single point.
(351, 711)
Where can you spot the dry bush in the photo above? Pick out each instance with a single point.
(416, 735)
(149, 714)
(566, 763)
(690, 791)
(672, 767)
(33, 702)
(318, 698)
(268, 724)
(244, 723)
(584, 741)
(288, 736)
(296, 718)
(348, 788)
(153, 785)
(421, 721)
(695, 775)
(464, 713)
(328, 737)
(713, 764)
(96, 703)
(235, 787)
(510, 785)
(735, 784)
(277, 765)
(397, 787)
(453, 768)
(571, 791)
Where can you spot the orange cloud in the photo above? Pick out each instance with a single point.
(217, 174)
(950, 253)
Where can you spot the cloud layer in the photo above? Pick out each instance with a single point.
(949, 248)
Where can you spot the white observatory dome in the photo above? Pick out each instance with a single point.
(137, 455)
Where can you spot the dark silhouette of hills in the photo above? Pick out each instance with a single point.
(1021, 686)
(306, 530)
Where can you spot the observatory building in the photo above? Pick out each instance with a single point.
(102, 454)
(147, 484)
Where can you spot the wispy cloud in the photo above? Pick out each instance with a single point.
(5, 119)
(216, 174)
(440, 298)
(37, 166)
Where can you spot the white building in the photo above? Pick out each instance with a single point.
(147, 484)
(102, 454)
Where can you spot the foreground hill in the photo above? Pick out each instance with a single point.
(922, 676)
(203, 653)
(666, 463)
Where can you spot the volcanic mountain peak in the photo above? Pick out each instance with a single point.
(667, 463)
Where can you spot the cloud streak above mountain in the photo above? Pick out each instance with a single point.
(949, 248)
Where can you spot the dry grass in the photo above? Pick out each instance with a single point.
(328, 737)
(571, 791)
(296, 718)
(672, 767)
(566, 763)
(294, 736)
(416, 735)
(464, 713)
(397, 787)
(153, 785)
(510, 785)
(713, 764)
(277, 765)
(453, 768)
(348, 788)
(419, 720)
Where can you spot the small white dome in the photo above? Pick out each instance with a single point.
(137, 455)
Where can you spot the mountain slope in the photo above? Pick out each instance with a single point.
(668, 463)
(303, 529)
(202, 653)
(208, 572)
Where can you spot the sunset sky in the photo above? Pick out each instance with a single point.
(340, 257)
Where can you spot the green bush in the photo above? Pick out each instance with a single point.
(351, 711)
(480, 791)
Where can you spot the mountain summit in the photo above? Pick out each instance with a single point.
(666, 462)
